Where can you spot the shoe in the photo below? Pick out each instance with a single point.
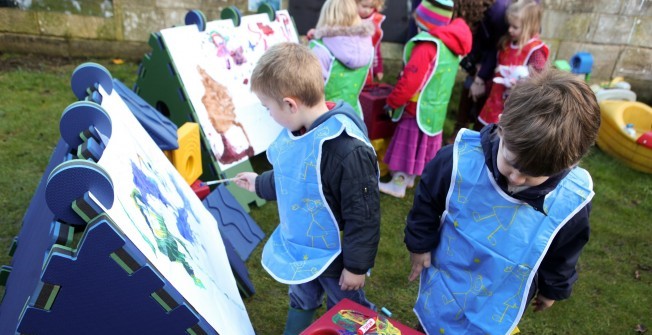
(410, 180)
(298, 320)
(395, 187)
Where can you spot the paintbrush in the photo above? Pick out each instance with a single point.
(221, 181)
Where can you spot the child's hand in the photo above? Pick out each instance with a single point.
(246, 180)
(541, 303)
(351, 281)
(477, 89)
(310, 34)
(389, 111)
(419, 262)
(379, 76)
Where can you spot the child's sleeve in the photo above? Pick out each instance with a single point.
(324, 59)
(422, 228)
(265, 185)
(378, 60)
(360, 210)
(538, 60)
(414, 74)
(557, 272)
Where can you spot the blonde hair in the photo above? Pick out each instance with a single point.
(289, 70)
(379, 5)
(338, 13)
(530, 13)
(550, 121)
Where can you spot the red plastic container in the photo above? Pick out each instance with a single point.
(372, 101)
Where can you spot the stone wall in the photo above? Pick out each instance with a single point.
(618, 33)
(124, 34)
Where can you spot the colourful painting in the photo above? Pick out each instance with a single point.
(215, 66)
(156, 209)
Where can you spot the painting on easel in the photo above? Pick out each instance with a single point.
(156, 209)
(215, 66)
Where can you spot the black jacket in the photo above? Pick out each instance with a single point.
(349, 175)
(556, 274)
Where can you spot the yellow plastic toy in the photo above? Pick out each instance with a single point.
(631, 144)
(187, 159)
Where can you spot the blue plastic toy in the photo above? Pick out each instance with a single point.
(582, 63)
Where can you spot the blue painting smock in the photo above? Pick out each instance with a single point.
(307, 239)
(491, 246)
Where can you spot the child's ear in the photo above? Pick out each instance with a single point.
(292, 103)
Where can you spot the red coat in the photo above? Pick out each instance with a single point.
(457, 37)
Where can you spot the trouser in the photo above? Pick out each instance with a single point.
(309, 295)
(468, 110)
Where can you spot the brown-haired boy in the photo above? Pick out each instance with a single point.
(325, 180)
(501, 217)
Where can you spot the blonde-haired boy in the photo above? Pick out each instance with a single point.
(325, 181)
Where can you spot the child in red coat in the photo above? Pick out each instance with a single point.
(423, 91)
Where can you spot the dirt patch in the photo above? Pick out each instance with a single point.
(36, 62)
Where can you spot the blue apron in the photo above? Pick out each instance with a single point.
(307, 239)
(491, 247)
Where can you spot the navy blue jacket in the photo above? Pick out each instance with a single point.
(556, 274)
(349, 176)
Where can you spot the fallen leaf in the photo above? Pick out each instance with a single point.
(640, 328)
(117, 61)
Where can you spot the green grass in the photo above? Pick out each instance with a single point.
(608, 298)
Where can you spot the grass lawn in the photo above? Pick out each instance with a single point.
(613, 295)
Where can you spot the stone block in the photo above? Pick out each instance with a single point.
(554, 5)
(571, 27)
(553, 46)
(641, 35)
(215, 3)
(108, 49)
(212, 14)
(138, 23)
(38, 44)
(637, 8)
(127, 5)
(604, 56)
(635, 63)
(179, 4)
(642, 90)
(174, 17)
(14, 20)
(584, 6)
(76, 26)
(614, 29)
(593, 6)
(53, 23)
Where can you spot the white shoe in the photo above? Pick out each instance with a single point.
(410, 180)
(395, 187)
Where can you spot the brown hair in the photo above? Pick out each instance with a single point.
(530, 13)
(289, 70)
(471, 11)
(550, 121)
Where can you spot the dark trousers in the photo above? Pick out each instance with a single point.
(468, 110)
